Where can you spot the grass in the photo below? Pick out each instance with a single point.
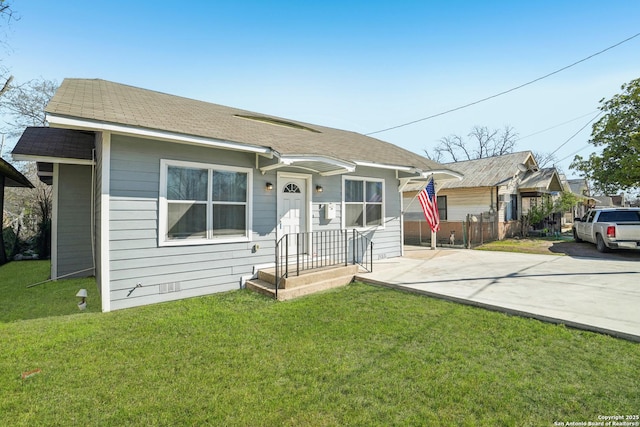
(358, 355)
(53, 298)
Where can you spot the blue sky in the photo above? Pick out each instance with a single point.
(357, 65)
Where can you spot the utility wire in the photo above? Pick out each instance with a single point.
(572, 154)
(557, 126)
(574, 135)
(506, 91)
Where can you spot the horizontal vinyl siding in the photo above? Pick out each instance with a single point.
(74, 221)
(463, 201)
(136, 258)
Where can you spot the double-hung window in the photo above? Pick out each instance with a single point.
(202, 203)
(363, 201)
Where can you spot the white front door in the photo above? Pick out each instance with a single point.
(292, 208)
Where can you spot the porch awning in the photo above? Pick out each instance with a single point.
(47, 145)
(417, 183)
(324, 166)
(54, 145)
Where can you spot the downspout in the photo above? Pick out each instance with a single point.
(401, 216)
(498, 212)
(93, 214)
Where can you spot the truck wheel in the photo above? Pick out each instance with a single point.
(600, 244)
(575, 237)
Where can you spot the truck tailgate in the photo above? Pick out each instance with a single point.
(628, 231)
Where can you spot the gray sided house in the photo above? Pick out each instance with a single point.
(164, 197)
(494, 193)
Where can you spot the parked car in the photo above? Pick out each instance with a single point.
(612, 228)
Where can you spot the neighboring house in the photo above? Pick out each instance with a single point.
(164, 197)
(580, 188)
(495, 192)
(619, 201)
(602, 201)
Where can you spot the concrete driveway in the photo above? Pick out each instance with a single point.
(601, 295)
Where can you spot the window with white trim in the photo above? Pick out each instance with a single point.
(363, 202)
(202, 203)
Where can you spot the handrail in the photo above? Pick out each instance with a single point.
(319, 249)
(361, 244)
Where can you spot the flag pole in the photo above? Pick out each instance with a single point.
(433, 233)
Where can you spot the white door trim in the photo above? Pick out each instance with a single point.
(281, 180)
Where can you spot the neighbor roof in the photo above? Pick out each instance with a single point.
(104, 102)
(541, 180)
(12, 177)
(489, 171)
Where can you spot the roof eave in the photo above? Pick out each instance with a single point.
(48, 159)
(95, 125)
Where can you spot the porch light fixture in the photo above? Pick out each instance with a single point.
(269, 186)
(319, 189)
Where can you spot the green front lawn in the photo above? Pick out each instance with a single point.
(358, 355)
(51, 298)
(538, 245)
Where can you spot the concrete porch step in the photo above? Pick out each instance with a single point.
(269, 289)
(307, 283)
(309, 276)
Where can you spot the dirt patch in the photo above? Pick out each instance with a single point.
(558, 247)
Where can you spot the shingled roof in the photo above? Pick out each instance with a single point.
(489, 171)
(103, 102)
(498, 170)
(54, 143)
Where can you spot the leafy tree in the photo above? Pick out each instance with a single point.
(536, 214)
(565, 202)
(617, 167)
(482, 142)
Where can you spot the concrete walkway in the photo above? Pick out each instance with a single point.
(586, 293)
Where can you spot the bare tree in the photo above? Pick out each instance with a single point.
(25, 104)
(544, 159)
(6, 85)
(482, 142)
(6, 15)
(6, 11)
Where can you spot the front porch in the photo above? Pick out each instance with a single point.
(306, 263)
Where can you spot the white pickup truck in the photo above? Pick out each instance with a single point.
(609, 228)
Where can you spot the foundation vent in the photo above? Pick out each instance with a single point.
(165, 288)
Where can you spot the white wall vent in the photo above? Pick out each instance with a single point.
(165, 288)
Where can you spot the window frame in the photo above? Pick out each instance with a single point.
(511, 208)
(364, 203)
(442, 207)
(209, 239)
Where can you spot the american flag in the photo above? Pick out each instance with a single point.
(429, 203)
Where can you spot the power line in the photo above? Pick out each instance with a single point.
(574, 135)
(572, 154)
(506, 91)
(557, 126)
